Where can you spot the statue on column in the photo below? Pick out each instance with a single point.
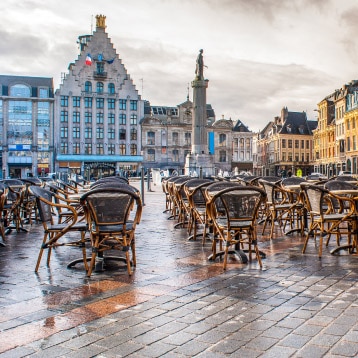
(199, 71)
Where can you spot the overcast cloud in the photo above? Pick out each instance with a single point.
(261, 55)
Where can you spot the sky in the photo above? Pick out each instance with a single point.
(261, 55)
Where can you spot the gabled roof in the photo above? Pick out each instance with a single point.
(296, 123)
(240, 127)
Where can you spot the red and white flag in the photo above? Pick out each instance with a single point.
(88, 60)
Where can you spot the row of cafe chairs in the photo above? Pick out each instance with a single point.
(228, 210)
(288, 203)
(111, 210)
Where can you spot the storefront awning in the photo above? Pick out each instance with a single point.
(99, 158)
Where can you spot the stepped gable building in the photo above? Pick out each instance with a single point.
(98, 112)
(167, 135)
(287, 145)
(26, 131)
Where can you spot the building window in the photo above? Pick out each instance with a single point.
(290, 156)
(283, 143)
(122, 149)
(122, 104)
(307, 144)
(88, 102)
(122, 118)
(76, 148)
(20, 91)
(64, 101)
(222, 156)
(64, 116)
(43, 92)
(99, 87)
(88, 117)
(133, 105)
(187, 138)
(111, 88)
(133, 119)
(99, 118)
(64, 132)
(222, 140)
(88, 133)
(290, 143)
(283, 156)
(111, 133)
(76, 117)
(133, 134)
(76, 100)
(111, 103)
(151, 138)
(99, 148)
(122, 134)
(111, 149)
(88, 87)
(151, 155)
(133, 149)
(175, 138)
(111, 117)
(100, 68)
(297, 144)
(76, 132)
(175, 155)
(99, 133)
(88, 148)
(64, 148)
(99, 103)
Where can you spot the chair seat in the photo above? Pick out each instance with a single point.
(223, 222)
(77, 227)
(107, 229)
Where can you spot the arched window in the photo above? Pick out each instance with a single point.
(20, 91)
(99, 87)
(222, 140)
(151, 155)
(88, 86)
(111, 88)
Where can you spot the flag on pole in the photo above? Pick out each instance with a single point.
(88, 60)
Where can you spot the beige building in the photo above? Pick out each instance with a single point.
(285, 146)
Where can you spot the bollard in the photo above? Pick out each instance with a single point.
(142, 185)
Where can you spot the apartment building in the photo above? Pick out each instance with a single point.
(26, 125)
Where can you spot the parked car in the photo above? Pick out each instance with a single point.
(318, 175)
(344, 172)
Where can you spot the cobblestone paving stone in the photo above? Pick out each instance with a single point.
(178, 303)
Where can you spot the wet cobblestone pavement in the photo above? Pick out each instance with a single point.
(177, 303)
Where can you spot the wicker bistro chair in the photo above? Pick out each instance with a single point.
(3, 195)
(172, 185)
(12, 211)
(277, 206)
(326, 217)
(112, 214)
(234, 213)
(296, 215)
(55, 232)
(194, 190)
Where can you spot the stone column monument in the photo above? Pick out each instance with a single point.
(199, 161)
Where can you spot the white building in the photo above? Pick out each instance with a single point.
(98, 112)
